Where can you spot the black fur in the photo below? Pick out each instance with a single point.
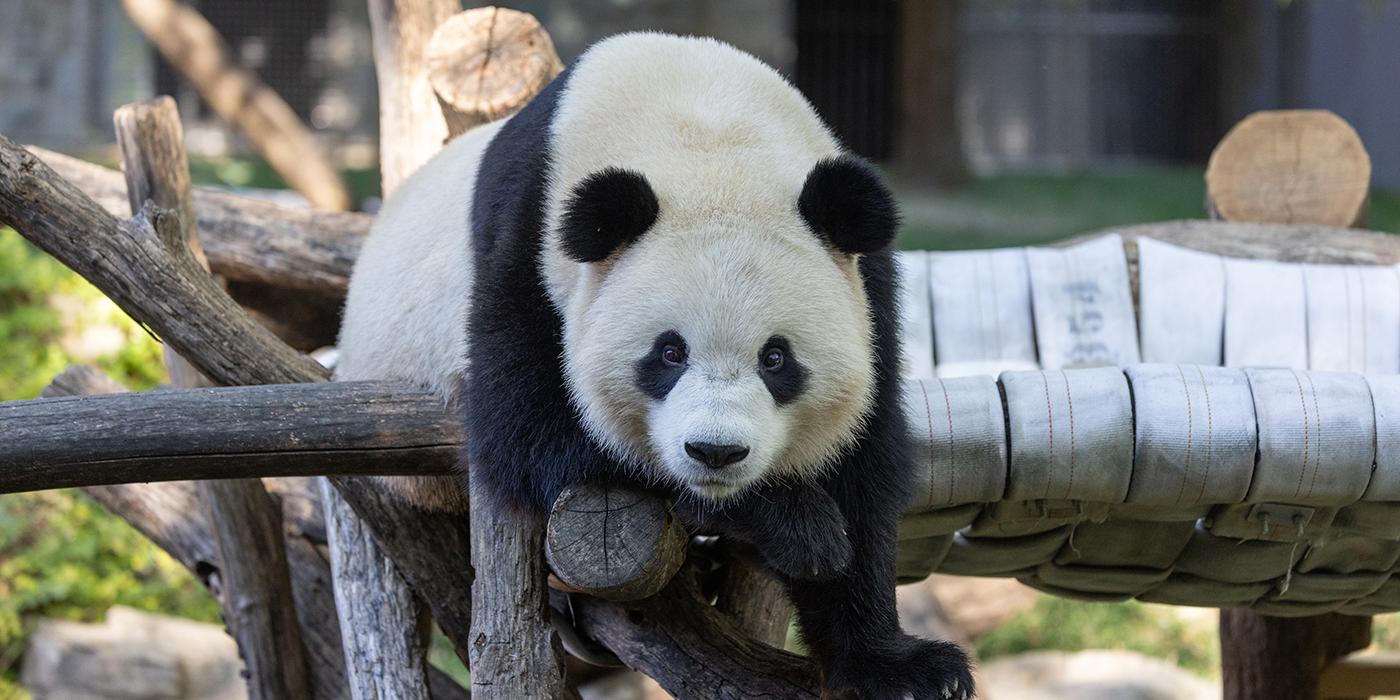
(525, 441)
(608, 210)
(832, 541)
(787, 382)
(848, 206)
(654, 376)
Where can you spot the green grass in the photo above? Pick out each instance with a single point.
(1033, 208)
(1060, 624)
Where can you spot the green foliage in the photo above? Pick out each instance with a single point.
(62, 555)
(43, 304)
(1069, 625)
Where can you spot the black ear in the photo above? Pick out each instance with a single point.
(606, 211)
(848, 206)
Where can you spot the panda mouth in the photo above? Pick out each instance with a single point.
(716, 489)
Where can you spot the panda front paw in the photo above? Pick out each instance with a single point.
(817, 558)
(916, 669)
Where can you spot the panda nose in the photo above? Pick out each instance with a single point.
(716, 456)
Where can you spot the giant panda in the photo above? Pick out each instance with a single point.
(665, 271)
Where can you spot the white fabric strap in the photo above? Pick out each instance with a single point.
(981, 312)
(1353, 318)
(1385, 396)
(917, 314)
(1265, 315)
(1181, 295)
(1071, 434)
(1083, 305)
(1195, 435)
(1317, 437)
(959, 437)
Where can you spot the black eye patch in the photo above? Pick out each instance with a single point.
(787, 382)
(655, 376)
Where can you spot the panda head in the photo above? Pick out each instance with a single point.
(717, 348)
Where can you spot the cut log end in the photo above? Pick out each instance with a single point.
(1290, 167)
(487, 63)
(614, 543)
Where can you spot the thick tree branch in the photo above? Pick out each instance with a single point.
(255, 586)
(238, 432)
(246, 239)
(693, 650)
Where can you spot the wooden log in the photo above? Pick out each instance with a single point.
(615, 543)
(170, 515)
(1301, 167)
(758, 602)
(437, 568)
(194, 48)
(412, 129)
(143, 265)
(383, 635)
(246, 239)
(514, 652)
(1290, 167)
(255, 589)
(411, 124)
(289, 430)
(487, 63)
(693, 650)
(1270, 658)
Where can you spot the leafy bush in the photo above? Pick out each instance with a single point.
(61, 554)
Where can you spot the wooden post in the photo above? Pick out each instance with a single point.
(411, 125)
(194, 47)
(255, 586)
(487, 63)
(1290, 167)
(1295, 167)
(614, 543)
(757, 602)
(930, 141)
(1273, 658)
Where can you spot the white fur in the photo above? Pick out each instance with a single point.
(406, 311)
(726, 144)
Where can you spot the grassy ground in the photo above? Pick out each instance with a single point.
(1031, 208)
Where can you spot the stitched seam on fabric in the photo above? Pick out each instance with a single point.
(1069, 398)
(952, 462)
(977, 297)
(1346, 298)
(1210, 434)
(996, 315)
(1190, 433)
(1302, 401)
(1050, 421)
(1365, 323)
(929, 413)
(1317, 450)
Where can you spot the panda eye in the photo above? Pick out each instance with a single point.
(772, 359)
(673, 355)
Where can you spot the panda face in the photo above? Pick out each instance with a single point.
(720, 354)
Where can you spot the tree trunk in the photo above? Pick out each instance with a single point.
(931, 149)
(411, 125)
(1275, 658)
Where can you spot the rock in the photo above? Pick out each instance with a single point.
(1089, 675)
(132, 656)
